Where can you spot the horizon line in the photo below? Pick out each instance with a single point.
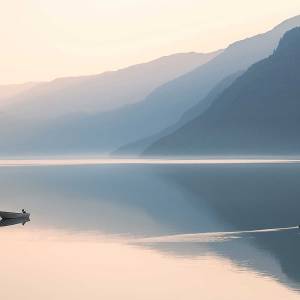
(23, 162)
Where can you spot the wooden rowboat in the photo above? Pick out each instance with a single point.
(10, 222)
(12, 215)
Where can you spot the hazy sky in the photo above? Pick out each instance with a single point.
(44, 39)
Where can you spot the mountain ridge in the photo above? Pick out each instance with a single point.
(258, 114)
(104, 91)
(194, 86)
(104, 132)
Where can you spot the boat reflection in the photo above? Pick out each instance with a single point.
(10, 222)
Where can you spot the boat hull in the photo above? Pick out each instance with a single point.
(10, 222)
(11, 215)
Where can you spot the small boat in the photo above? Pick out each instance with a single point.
(10, 222)
(12, 215)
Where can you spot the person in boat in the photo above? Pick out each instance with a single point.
(23, 211)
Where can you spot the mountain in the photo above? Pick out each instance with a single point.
(11, 90)
(141, 145)
(56, 116)
(258, 114)
(79, 133)
(183, 93)
(105, 91)
(104, 132)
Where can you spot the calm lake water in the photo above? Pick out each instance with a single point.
(154, 230)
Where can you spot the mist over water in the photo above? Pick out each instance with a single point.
(144, 161)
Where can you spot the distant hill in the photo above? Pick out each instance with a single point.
(169, 102)
(102, 92)
(258, 114)
(103, 132)
(141, 145)
(9, 91)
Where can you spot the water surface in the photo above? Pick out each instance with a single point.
(151, 230)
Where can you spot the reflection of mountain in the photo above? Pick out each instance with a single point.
(252, 197)
(246, 252)
(258, 114)
(113, 199)
(160, 200)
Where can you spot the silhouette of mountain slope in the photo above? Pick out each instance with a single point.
(8, 91)
(141, 145)
(104, 91)
(102, 132)
(258, 114)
